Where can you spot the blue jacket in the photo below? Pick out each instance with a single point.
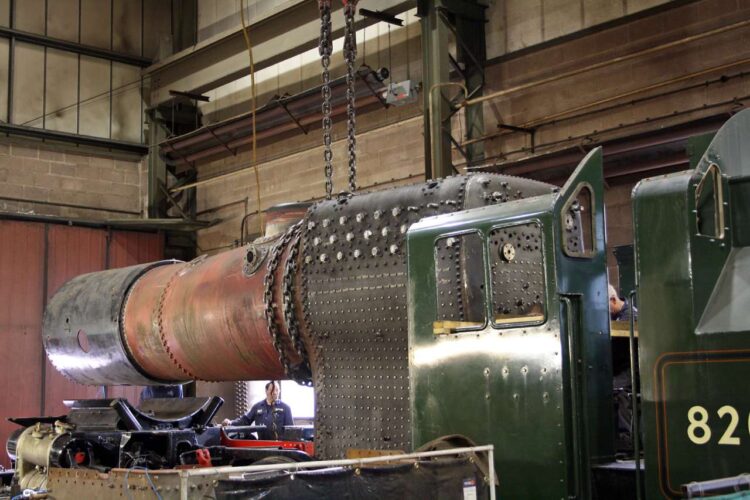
(273, 417)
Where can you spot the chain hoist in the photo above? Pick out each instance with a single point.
(299, 373)
(350, 55)
(325, 48)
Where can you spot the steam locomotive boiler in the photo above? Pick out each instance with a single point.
(324, 302)
(472, 305)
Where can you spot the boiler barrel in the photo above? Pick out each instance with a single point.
(82, 334)
(167, 322)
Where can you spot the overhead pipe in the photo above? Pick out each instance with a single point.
(245, 140)
(274, 115)
(569, 113)
(603, 64)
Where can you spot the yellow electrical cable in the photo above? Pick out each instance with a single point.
(253, 93)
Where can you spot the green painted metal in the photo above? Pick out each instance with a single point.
(687, 289)
(540, 393)
(697, 145)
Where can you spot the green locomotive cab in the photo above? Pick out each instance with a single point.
(509, 335)
(692, 247)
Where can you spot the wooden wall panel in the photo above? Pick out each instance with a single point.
(71, 251)
(21, 306)
(24, 274)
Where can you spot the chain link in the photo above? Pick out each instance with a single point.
(290, 318)
(298, 373)
(350, 56)
(325, 47)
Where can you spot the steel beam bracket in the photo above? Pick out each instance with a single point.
(531, 132)
(281, 101)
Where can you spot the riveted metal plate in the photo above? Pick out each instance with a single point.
(353, 267)
(517, 275)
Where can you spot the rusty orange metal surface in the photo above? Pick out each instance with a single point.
(140, 324)
(279, 218)
(128, 248)
(201, 320)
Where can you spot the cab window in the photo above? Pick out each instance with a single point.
(517, 274)
(459, 269)
(709, 204)
(577, 223)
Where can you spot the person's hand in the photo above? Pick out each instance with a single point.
(226, 422)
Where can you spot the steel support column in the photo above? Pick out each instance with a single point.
(185, 22)
(463, 20)
(157, 168)
(435, 71)
(472, 54)
(180, 241)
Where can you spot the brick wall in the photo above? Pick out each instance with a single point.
(390, 152)
(45, 180)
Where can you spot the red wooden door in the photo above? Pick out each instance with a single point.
(35, 260)
(21, 307)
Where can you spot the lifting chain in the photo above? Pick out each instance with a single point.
(350, 55)
(290, 318)
(299, 373)
(325, 47)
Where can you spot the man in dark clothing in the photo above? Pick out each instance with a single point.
(620, 310)
(270, 413)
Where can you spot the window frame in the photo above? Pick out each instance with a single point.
(714, 171)
(486, 320)
(521, 324)
(586, 254)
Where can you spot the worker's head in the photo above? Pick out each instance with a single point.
(615, 304)
(272, 391)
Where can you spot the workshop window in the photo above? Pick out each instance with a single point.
(578, 223)
(459, 268)
(709, 204)
(516, 257)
